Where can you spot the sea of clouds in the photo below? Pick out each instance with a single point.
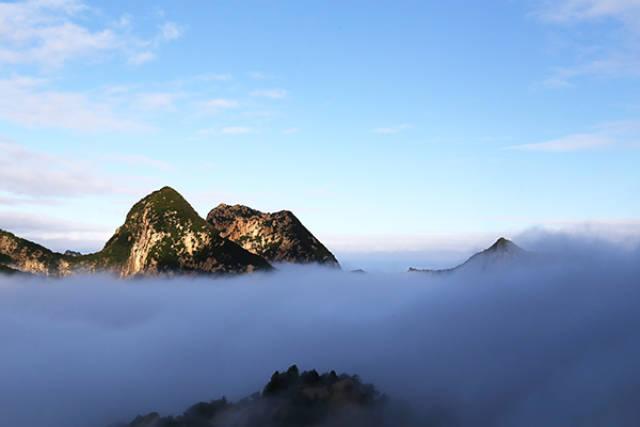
(556, 343)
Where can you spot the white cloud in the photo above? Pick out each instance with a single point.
(51, 32)
(575, 142)
(156, 101)
(237, 130)
(28, 173)
(24, 101)
(270, 93)
(217, 104)
(55, 233)
(229, 130)
(390, 130)
(568, 10)
(257, 75)
(170, 31)
(16, 201)
(141, 57)
(140, 160)
(621, 134)
(223, 77)
(29, 222)
(613, 65)
(611, 57)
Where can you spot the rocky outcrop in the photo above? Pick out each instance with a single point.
(278, 237)
(501, 254)
(24, 255)
(162, 234)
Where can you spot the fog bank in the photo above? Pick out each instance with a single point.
(554, 344)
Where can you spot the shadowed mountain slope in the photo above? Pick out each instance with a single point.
(278, 236)
(293, 399)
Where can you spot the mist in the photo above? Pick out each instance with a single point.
(554, 343)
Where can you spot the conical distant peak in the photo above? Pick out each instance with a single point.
(503, 244)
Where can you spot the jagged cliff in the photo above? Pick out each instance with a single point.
(161, 234)
(278, 236)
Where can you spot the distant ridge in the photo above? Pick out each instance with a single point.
(278, 237)
(502, 253)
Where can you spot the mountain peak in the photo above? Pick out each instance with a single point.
(163, 233)
(277, 236)
(502, 244)
(502, 253)
(164, 203)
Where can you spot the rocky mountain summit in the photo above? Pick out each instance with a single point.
(278, 237)
(502, 253)
(162, 234)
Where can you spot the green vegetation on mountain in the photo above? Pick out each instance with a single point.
(5, 259)
(162, 233)
(24, 255)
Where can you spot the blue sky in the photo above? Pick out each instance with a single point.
(399, 126)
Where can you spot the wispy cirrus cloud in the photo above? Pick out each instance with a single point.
(570, 10)
(216, 105)
(51, 32)
(229, 130)
(237, 130)
(54, 232)
(613, 57)
(391, 129)
(270, 93)
(622, 134)
(575, 142)
(156, 100)
(170, 31)
(141, 160)
(25, 172)
(258, 75)
(222, 77)
(31, 103)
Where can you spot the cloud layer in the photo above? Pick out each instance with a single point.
(556, 344)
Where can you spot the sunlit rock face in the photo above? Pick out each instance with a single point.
(162, 234)
(278, 237)
(18, 254)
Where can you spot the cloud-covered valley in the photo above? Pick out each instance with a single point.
(556, 343)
